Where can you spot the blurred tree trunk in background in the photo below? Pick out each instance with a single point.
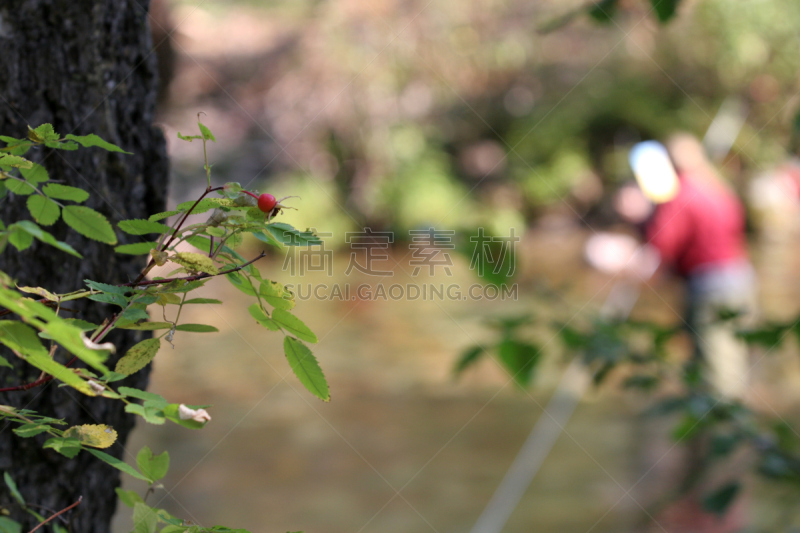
(86, 67)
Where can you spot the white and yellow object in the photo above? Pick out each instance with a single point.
(654, 171)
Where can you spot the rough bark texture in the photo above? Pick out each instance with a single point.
(85, 66)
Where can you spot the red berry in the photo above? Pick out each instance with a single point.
(267, 202)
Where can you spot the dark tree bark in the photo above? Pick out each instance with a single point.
(86, 67)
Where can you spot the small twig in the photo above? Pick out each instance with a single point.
(152, 262)
(62, 511)
(195, 277)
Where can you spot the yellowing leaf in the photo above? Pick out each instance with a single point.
(95, 435)
(195, 262)
(138, 357)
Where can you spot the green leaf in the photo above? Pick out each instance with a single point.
(65, 192)
(93, 140)
(128, 497)
(520, 359)
(22, 188)
(145, 519)
(21, 240)
(153, 466)
(189, 138)
(206, 204)
(31, 430)
(137, 248)
(276, 295)
(118, 464)
(69, 447)
(216, 232)
(163, 215)
(195, 262)
(206, 132)
(261, 317)
(4, 362)
(468, 358)
(241, 282)
(36, 174)
(293, 325)
(12, 487)
(14, 161)
(44, 293)
(604, 10)
(148, 397)
(89, 223)
(9, 526)
(665, 9)
(43, 210)
(202, 301)
(35, 231)
(42, 133)
(305, 367)
(108, 298)
(290, 236)
(138, 357)
(142, 227)
(196, 328)
(147, 326)
(172, 412)
(105, 287)
(21, 338)
(151, 415)
(718, 501)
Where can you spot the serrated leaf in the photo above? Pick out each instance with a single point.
(197, 328)
(206, 204)
(216, 232)
(95, 435)
(142, 227)
(151, 414)
(137, 248)
(22, 188)
(153, 466)
(36, 174)
(305, 367)
(65, 192)
(69, 447)
(43, 210)
(42, 133)
(148, 397)
(293, 325)
(117, 463)
(138, 357)
(110, 298)
(90, 140)
(31, 430)
(258, 313)
(128, 497)
(35, 231)
(105, 287)
(163, 215)
(276, 295)
(44, 293)
(195, 262)
(14, 161)
(147, 326)
(290, 236)
(89, 223)
(206, 133)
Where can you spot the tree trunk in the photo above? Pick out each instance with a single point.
(86, 67)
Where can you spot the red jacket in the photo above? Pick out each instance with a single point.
(702, 226)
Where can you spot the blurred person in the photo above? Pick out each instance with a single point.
(694, 224)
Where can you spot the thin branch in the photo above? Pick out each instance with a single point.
(196, 277)
(62, 511)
